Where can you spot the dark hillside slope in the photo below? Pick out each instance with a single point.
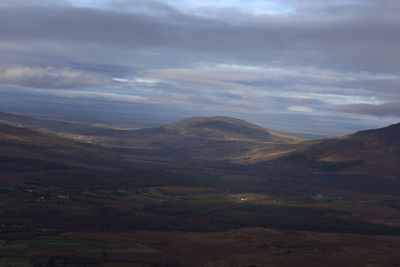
(23, 149)
(377, 151)
(54, 125)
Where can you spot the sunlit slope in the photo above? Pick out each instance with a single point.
(218, 137)
(196, 137)
(226, 128)
(373, 152)
(55, 125)
(23, 149)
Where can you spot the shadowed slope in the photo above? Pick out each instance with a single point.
(378, 151)
(55, 125)
(23, 149)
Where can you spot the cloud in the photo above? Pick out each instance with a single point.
(305, 55)
(250, 73)
(298, 100)
(178, 38)
(31, 3)
(111, 97)
(301, 109)
(386, 109)
(388, 87)
(292, 85)
(49, 77)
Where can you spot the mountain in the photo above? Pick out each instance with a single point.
(197, 137)
(376, 152)
(217, 128)
(371, 152)
(26, 150)
(55, 125)
(223, 128)
(217, 138)
(133, 196)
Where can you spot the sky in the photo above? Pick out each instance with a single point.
(324, 66)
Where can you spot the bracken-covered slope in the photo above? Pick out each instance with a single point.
(225, 128)
(54, 125)
(197, 137)
(376, 151)
(26, 150)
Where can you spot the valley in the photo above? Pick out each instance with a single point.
(205, 191)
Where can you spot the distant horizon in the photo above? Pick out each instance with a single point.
(137, 124)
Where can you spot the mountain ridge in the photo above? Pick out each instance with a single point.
(376, 151)
(228, 128)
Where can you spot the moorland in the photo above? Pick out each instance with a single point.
(204, 191)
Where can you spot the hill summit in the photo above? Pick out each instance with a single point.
(389, 134)
(227, 128)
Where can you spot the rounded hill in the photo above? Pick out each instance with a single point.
(227, 128)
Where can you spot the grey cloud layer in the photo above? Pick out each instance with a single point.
(349, 42)
(50, 77)
(323, 58)
(386, 109)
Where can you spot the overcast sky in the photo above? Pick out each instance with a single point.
(313, 65)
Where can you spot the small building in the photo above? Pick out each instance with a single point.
(63, 196)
